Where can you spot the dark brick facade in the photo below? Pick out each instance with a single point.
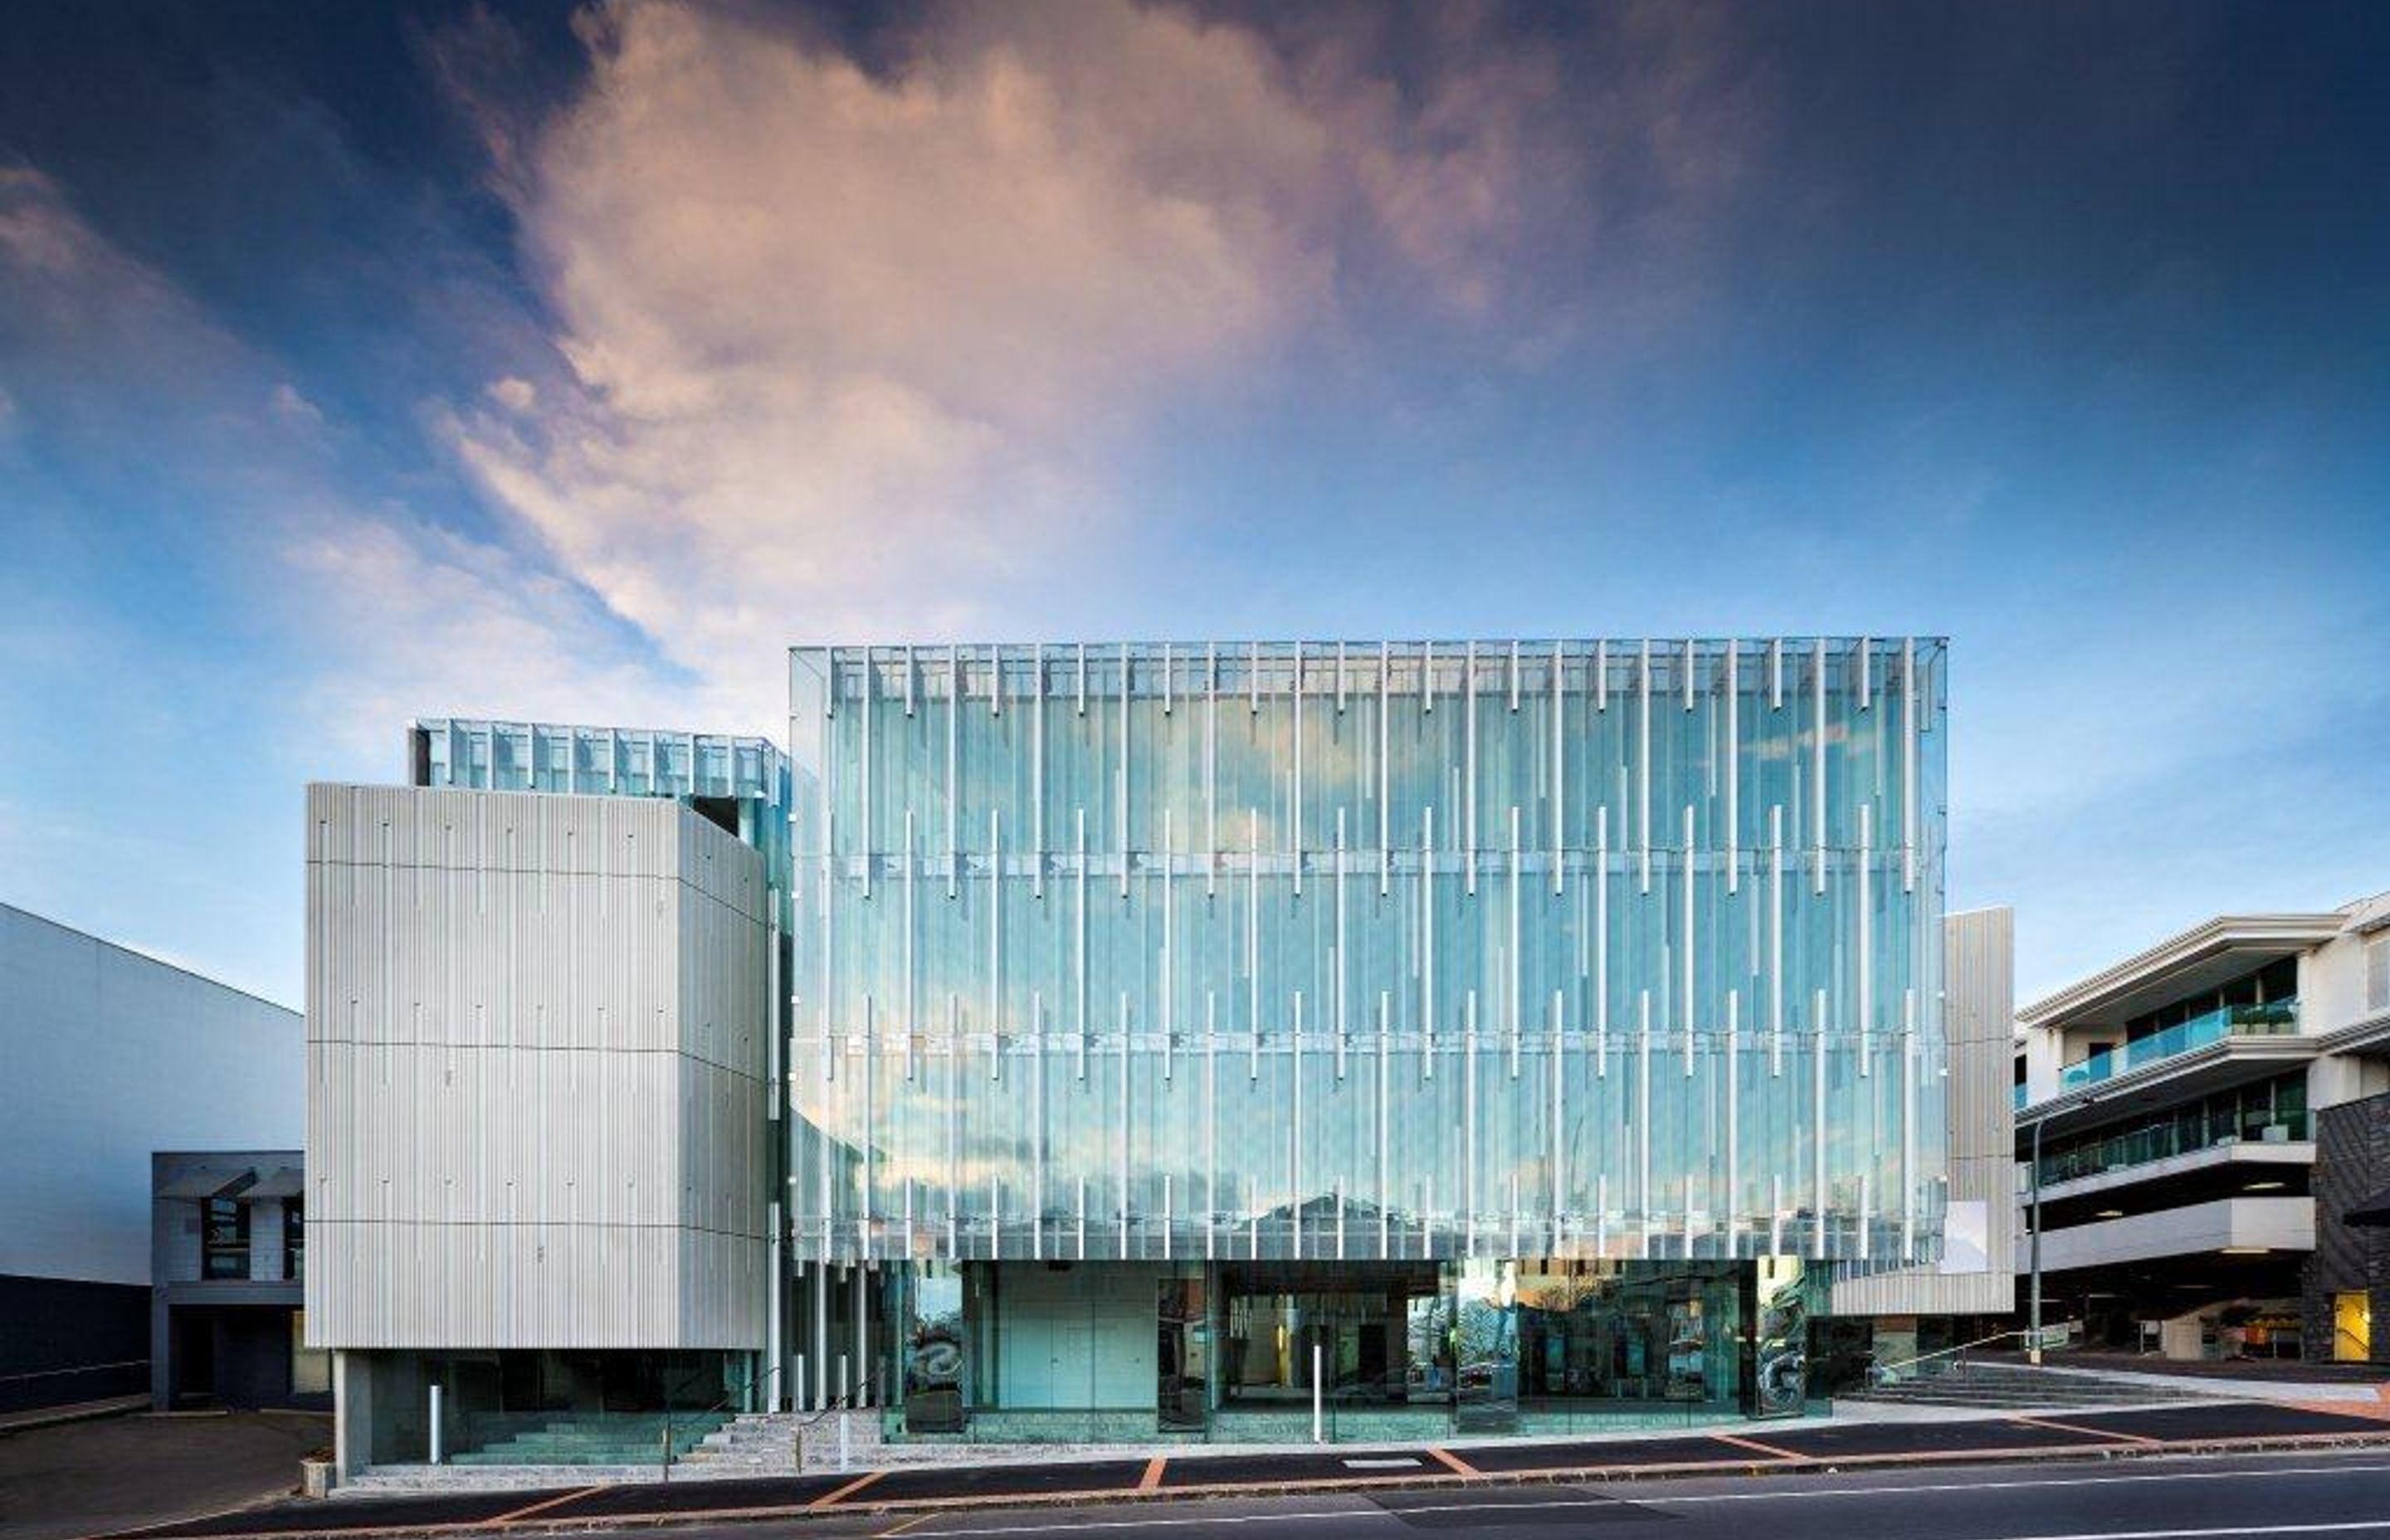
(2352, 1165)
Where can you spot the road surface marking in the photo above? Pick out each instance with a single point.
(1446, 1457)
(1647, 1496)
(848, 1490)
(1152, 1477)
(1771, 1451)
(543, 1505)
(2103, 1434)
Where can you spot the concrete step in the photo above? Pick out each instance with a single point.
(765, 1443)
(2019, 1387)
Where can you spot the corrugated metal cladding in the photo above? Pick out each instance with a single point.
(1979, 973)
(537, 1072)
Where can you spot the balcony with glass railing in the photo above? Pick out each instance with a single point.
(2274, 1018)
(2181, 1134)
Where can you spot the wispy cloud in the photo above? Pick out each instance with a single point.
(851, 351)
(360, 615)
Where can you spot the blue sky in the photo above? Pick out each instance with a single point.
(362, 362)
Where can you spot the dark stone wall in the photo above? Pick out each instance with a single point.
(2352, 1164)
(62, 1341)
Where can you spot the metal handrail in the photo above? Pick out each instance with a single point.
(737, 1393)
(1884, 1372)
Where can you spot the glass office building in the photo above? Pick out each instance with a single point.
(1513, 1032)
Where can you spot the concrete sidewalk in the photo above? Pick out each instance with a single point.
(1751, 1448)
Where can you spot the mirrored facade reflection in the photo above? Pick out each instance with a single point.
(1500, 1023)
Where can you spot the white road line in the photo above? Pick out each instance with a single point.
(1664, 1500)
(2226, 1528)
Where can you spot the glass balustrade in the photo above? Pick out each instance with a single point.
(2271, 1112)
(2273, 1019)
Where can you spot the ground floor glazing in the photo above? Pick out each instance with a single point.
(1257, 1351)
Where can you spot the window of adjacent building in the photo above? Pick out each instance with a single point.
(224, 1240)
(2276, 984)
(311, 1369)
(2377, 973)
(294, 1239)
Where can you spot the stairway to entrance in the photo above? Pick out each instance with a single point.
(607, 1439)
(2020, 1387)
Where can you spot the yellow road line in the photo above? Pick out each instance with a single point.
(848, 1490)
(542, 1506)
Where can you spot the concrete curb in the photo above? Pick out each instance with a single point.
(80, 1411)
(831, 1504)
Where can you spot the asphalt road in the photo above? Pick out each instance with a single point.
(87, 1478)
(2312, 1494)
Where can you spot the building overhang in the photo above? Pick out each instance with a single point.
(2202, 956)
(2370, 1037)
(2166, 1083)
(2242, 1226)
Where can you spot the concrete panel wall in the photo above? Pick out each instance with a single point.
(106, 1055)
(1978, 976)
(536, 1073)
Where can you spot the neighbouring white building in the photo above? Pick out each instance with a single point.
(2196, 1122)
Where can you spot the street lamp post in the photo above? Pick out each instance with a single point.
(2033, 1347)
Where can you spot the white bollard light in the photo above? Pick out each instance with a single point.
(1318, 1420)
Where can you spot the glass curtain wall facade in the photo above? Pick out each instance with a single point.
(1532, 969)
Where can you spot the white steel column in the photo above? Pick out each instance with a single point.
(1211, 1121)
(954, 769)
(1385, 1175)
(1817, 1126)
(1037, 770)
(818, 1285)
(862, 1335)
(1643, 1121)
(1123, 813)
(1909, 764)
(1733, 841)
(1601, 943)
(1469, 834)
(1643, 761)
(1866, 981)
(1818, 762)
(776, 1286)
(1559, 769)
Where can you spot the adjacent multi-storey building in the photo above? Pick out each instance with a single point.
(2194, 1124)
(228, 1260)
(1153, 1040)
(106, 1055)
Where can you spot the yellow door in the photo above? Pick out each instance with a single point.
(2352, 1328)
